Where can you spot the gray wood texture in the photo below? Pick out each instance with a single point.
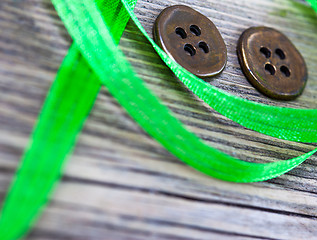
(120, 183)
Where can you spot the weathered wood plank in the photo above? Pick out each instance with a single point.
(120, 183)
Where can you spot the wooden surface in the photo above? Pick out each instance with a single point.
(120, 183)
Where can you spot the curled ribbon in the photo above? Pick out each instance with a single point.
(95, 59)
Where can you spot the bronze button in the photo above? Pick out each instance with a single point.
(191, 39)
(271, 63)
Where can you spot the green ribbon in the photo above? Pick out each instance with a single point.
(96, 28)
(63, 114)
(313, 4)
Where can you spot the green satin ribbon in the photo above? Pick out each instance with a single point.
(96, 28)
(313, 4)
(63, 114)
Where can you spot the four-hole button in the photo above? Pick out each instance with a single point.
(271, 63)
(191, 39)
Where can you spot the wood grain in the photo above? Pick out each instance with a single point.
(120, 183)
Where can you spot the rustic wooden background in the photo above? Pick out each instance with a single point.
(120, 183)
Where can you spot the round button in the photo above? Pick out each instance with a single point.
(271, 63)
(191, 39)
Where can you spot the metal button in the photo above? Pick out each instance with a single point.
(271, 63)
(191, 39)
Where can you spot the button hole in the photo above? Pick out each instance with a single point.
(181, 32)
(189, 49)
(195, 30)
(280, 53)
(266, 52)
(204, 46)
(270, 68)
(285, 71)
